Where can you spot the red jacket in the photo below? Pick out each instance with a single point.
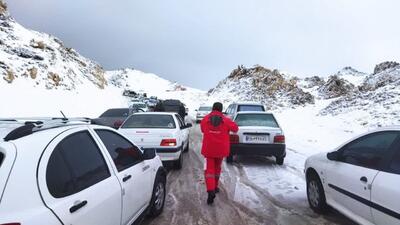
(216, 127)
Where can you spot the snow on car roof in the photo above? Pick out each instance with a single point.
(155, 113)
(248, 103)
(253, 112)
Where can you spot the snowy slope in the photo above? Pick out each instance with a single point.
(39, 76)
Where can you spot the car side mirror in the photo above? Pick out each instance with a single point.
(333, 156)
(149, 153)
(189, 125)
(196, 110)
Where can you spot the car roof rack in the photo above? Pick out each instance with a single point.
(29, 126)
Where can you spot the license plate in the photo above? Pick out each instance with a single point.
(256, 138)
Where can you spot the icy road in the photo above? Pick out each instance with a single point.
(254, 191)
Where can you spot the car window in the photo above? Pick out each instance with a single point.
(123, 152)
(180, 121)
(370, 150)
(264, 120)
(150, 121)
(116, 113)
(247, 108)
(395, 164)
(75, 164)
(229, 110)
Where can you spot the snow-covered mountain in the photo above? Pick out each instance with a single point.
(39, 76)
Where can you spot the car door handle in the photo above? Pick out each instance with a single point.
(126, 178)
(364, 179)
(145, 168)
(77, 206)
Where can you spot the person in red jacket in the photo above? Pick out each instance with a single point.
(216, 145)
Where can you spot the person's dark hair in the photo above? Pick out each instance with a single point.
(217, 107)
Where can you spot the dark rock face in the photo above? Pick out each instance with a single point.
(384, 66)
(314, 81)
(336, 87)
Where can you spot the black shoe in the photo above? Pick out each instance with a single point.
(211, 196)
(216, 190)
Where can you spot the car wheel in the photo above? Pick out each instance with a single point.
(229, 159)
(187, 148)
(315, 194)
(158, 196)
(178, 163)
(280, 160)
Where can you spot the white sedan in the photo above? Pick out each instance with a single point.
(166, 132)
(361, 178)
(75, 173)
(259, 135)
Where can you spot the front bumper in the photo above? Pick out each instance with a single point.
(277, 150)
(169, 154)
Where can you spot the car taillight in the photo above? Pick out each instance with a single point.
(168, 142)
(234, 138)
(279, 139)
(118, 124)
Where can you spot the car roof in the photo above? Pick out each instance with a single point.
(155, 113)
(248, 103)
(254, 112)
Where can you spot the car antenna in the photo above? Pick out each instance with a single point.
(65, 118)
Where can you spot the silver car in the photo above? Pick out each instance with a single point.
(259, 135)
(202, 112)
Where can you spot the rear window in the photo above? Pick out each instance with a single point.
(171, 108)
(253, 108)
(204, 108)
(139, 105)
(150, 121)
(263, 120)
(116, 113)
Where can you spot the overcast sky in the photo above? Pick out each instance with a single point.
(198, 43)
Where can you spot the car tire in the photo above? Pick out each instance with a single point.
(280, 160)
(187, 147)
(229, 159)
(315, 194)
(178, 163)
(158, 197)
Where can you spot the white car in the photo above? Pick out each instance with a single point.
(166, 132)
(361, 178)
(62, 172)
(202, 112)
(137, 106)
(234, 108)
(259, 135)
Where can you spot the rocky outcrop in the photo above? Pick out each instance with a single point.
(336, 87)
(43, 58)
(384, 66)
(261, 84)
(314, 81)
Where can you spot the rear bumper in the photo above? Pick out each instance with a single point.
(277, 150)
(169, 154)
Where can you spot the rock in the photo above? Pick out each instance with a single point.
(38, 57)
(384, 66)
(336, 87)
(9, 77)
(314, 81)
(33, 72)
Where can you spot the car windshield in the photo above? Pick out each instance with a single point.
(263, 120)
(116, 113)
(205, 108)
(150, 121)
(254, 108)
